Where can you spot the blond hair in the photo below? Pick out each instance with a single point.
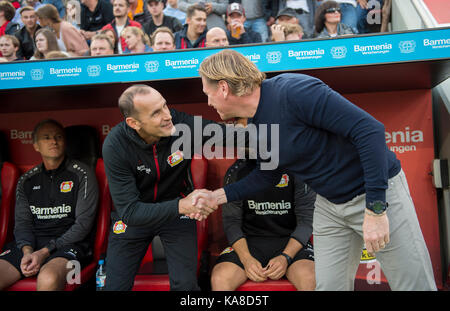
(138, 32)
(241, 75)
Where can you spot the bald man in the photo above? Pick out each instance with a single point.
(216, 37)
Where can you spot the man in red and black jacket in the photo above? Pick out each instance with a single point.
(150, 183)
(120, 21)
(193, 34)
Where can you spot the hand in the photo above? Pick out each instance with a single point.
(25, 263)
(276, 268)
(363, 4)
(254, 269)
(277, 32)
(198, 204)
(375, 232)
(208, 7)
(31, 263)
(88, 35)
(270, 21)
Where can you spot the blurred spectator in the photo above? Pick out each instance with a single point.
(216, 37)
(101, 44)
(156, 7)
(193, 34)
(9, 45)
(348, 12)
(304, 11)
(7, 12)
(3, 60)
(35, 4)
(57, 54)
(286, 32)
(58, 4)
(113, 37)
(120, 21)
(236, 32)
(369, 15)
(26, 33)
(137, 41)
(214, 10)
(94, 15)
(328, 21)
(256, 17)
(287, 16)
(173, 10)
(73, 13)
(163, 39)
(46, 42)
(139, 12)
(69, 38)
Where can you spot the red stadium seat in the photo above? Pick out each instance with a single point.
(9, 177)
(101, 237)
(269, 285)
(146, 280)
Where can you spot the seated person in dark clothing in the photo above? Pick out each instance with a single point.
(95, 14)
(56, 204)
(269, 234)
(236, 32)
(159, 19)
(27, 32)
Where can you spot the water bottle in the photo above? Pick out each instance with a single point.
(100, 276)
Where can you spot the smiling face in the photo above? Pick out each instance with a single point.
(197, 22)
(152, 119)
(217, 98)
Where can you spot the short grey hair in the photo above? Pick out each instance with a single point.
(126, 100)
(41, 124)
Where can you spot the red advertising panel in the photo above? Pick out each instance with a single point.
(407, 117)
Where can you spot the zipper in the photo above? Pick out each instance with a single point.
(158, 175)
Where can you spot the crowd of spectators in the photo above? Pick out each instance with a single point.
(34, 29)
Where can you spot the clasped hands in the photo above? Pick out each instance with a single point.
(198, 204)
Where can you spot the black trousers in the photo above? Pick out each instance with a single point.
(126, 251)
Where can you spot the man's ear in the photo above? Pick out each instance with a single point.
(224, 88)
(133, 123)
(36, 147)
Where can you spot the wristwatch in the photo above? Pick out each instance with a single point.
(378, 207)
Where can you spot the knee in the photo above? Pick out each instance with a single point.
(220, 280)
(303, 276)
(49, 280)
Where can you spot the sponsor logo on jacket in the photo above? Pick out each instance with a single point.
(284, 182)
(66, 186)
(175, 158)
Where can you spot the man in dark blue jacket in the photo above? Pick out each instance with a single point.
(340, 151)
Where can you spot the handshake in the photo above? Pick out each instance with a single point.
(199, 204)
